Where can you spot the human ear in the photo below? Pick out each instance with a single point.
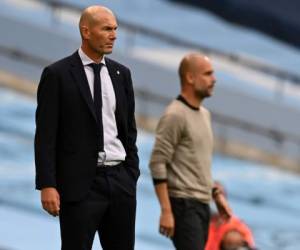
(85, 32)
(189, 77)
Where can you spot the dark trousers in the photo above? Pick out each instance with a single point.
(108, 209)
(191, 224)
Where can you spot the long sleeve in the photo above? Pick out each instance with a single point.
(168, 134)
(47, 115)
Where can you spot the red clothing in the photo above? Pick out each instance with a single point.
(217, 230)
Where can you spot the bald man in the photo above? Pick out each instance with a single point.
(85, 142)
(180, 163)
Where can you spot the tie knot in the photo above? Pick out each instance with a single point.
(96, 67)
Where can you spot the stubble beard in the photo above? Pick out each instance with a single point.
(202, 94)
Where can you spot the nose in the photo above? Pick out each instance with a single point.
(214, 79)
(113, 35)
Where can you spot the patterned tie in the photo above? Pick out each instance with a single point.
(98, 101)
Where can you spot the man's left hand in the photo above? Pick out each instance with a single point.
(223, 207)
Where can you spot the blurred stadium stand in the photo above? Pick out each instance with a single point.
(279, 18)
(255, 108)
(273, 139)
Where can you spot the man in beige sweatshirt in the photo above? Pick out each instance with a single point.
(181, 159)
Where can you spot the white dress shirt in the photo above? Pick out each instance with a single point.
(114, 150)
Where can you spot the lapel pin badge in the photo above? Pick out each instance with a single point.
(118, 72)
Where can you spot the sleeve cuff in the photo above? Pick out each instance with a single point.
(158, 170)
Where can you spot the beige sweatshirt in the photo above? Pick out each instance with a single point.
(183, 150)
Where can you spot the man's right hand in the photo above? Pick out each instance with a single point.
(167, 223)
(50, 200)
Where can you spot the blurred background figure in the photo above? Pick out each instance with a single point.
(181, 159)
(234, 240)
(228, 235)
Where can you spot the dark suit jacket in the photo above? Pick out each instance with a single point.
(66, 139)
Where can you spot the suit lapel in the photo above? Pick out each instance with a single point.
(114, 74)
(80, 78)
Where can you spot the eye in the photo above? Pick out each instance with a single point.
(208, 73)
(109, 28)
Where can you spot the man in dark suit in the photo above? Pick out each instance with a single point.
(85, 142)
